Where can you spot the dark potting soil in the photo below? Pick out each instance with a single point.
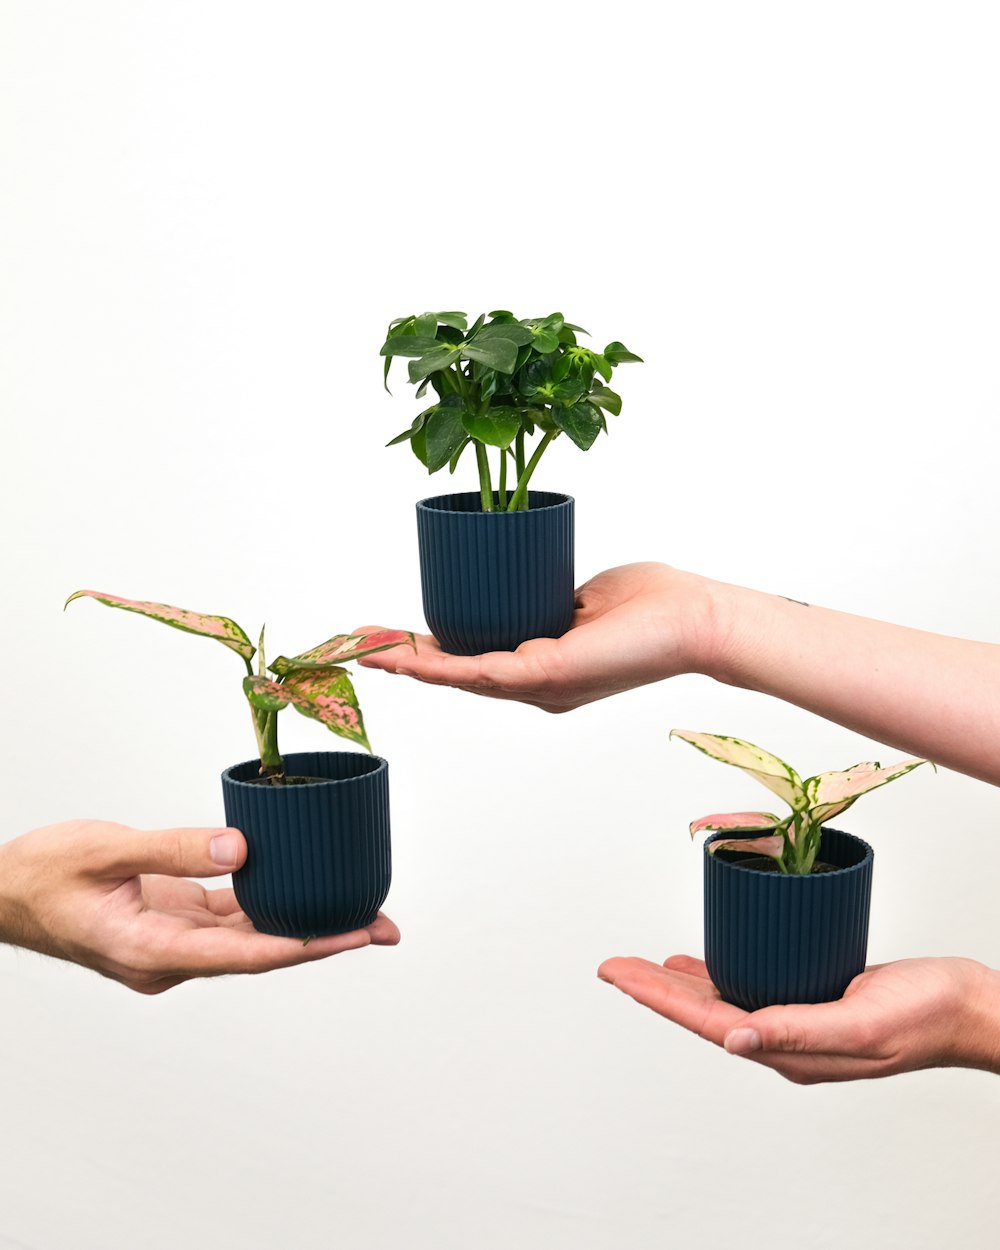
(287, 781)
(762, 863)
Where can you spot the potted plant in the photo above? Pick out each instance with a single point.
(787, 903)
(496, 564)
(316, 822)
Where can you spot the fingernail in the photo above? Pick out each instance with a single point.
(366, 664)
(224, 849)
(742, 1041)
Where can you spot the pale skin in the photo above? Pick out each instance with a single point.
(912, 690)
(117, 900)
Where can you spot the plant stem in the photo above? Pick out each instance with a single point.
(485, 485)
(270, 759)
(519, 499)
(502, 488)
(519, 454)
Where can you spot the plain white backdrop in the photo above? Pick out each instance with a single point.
(208, 214)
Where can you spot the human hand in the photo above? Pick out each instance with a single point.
(74, 891)
(896, 1017)
(633, 625)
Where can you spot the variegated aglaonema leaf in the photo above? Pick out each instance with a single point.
(342, 648)
(830, 794)
(734, 822)
(773, 847)
(772, 772)
(219, 627)
(323, 694)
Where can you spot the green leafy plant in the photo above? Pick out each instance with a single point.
(499, 383)
(314, 683)
(793, 842)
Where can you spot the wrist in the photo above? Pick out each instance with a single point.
(975, 1039)
(730, 621)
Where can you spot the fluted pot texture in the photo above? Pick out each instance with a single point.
(492, 580)
(774, 938)
(318, 855)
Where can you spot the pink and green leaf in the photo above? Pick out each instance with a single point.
(733, 822)
(326, 695)
(773, 847)
(772, 772)
(342, 648)
(221, 628)
(830, 794)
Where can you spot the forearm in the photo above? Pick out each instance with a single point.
(927, 694)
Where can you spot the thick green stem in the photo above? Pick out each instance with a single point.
(519, 454)
(270, 756)
(485, 485)
(519, 499)
(502, 488)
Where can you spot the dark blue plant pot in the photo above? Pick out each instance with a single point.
(318, 857)
(772, 938)
(492, 580)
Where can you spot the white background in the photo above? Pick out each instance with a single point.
(210, 211)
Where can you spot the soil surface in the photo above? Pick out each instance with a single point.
(761, 863)
(287, 781)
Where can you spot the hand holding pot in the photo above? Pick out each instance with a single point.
(74, 891)
(896, 1017)
(640, 623)
(632, 625)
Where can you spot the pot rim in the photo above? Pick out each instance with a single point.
(428, 504)
(867, 858)
(381, 764)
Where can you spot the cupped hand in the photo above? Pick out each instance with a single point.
(896, 1017)
(632, 625)
(116, 900)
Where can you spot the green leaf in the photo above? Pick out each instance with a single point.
(457, 320)
(418, 444)
(409, 345)
(221, 628)
(518, 334)
(497, 353)
(440, 358)
(618, 354)
(605, 398)
(545, 341)
(496, 427)
(419, 421)
(445, 433)
(582, 422)
(453, 462)
(603, 367)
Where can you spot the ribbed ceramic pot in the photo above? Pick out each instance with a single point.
(318, 855)
(775, 938)
(492, 580)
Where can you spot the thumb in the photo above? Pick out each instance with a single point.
(819, 1028)
(111, 851)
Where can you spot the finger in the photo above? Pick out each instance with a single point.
(494, 670)
(383, 932)
(222, 903)
(114, 852)
(838, 1028)
(688, 964)
(223, 951)
(679, 997)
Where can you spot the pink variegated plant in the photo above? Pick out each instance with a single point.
(314, 683)
(793, 842)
